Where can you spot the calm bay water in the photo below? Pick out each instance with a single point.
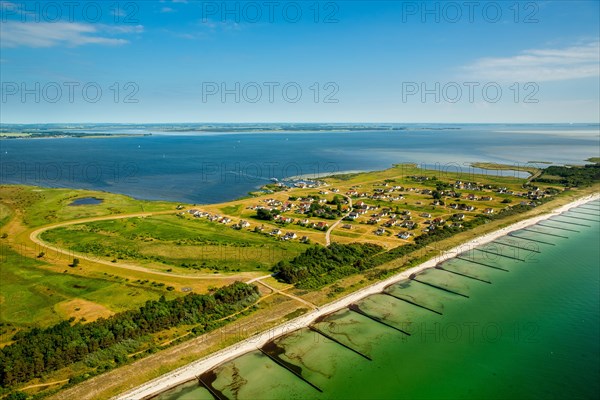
(209, 168)
(530, 334)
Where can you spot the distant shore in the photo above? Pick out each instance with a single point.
(190, 371)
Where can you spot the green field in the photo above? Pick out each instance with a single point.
(30, 292)
(174, 241)
(45, 206)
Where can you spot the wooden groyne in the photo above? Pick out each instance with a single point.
(498, 254)
(320, 332)
(558, 227)
(294, 369)
(531, 240)
(411, 302)
(546, 233)
(480, 263)
(356, 309)
(517, 247)
(440, 288)
(461, 274)
(206, 380)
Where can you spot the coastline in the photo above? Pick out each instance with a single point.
(189, 372)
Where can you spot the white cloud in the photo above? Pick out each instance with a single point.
(537, 65)
(47, 34)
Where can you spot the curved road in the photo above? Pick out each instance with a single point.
(34, 237)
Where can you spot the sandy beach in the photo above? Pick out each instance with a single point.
(190, 371)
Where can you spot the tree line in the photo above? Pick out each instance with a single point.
(39, 351)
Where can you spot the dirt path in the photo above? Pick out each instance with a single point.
(328, 233)
(291, 296)
(44, 384)
(34, 237)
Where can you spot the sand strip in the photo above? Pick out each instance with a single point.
(190, 371)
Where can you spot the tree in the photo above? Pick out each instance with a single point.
(264, 214)
(75, 262)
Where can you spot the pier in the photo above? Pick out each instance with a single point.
(320, 332)
(412, 302)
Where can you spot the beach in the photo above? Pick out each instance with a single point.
(190, 371)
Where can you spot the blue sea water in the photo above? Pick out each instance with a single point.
(204, 167)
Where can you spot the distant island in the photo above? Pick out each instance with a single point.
(30, 131)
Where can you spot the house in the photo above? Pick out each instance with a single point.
(304, 239)
(438, 221)
(471, 197)
(425, 215)
(404, 235)
(322, 225)
(380, 231)
(458, 217)
(486, 198)
(276, 232)
(352, 216)
(347, 226)
(289, 236)
(489, 211)
(244, 224)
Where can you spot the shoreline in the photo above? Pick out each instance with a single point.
(189, 372)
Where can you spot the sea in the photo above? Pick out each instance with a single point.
(202, 164)
(517, 318)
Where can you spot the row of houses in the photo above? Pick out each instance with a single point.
(211, 217)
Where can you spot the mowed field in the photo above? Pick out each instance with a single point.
(171, 242)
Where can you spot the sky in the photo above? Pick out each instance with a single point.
(175, 61)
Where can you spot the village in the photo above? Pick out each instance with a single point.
(380, 212)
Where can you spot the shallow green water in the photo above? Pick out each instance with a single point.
(533, 333)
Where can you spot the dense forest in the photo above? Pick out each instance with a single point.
(318, 266)
(571, 176)
(40, 351)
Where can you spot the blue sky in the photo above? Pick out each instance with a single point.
(341, 61)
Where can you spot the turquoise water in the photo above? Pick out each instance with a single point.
(532, 333)
(209, 168)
